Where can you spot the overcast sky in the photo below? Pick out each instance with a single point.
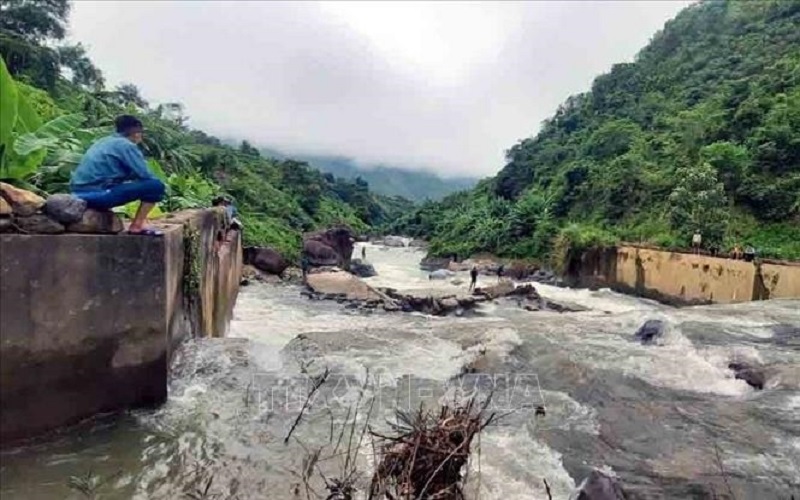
(445, 86)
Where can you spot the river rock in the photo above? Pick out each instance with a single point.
(441, 274)
(331, 284)
(394, 241)
(362, 269)
(97, 222)
(22, 202)
(330, 247)
(64, 208)
(265, 259)
(651, 330)
(492, 292)
(434, 263)
(6, 225)
(599, 486)
(38, 224)
(415, 243)
(753, 375)
(5, 208)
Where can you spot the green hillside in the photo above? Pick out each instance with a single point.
(54, 103)
(415, 185)
(700, 132)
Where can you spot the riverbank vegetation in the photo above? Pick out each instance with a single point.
(700, 133)
(55, 103)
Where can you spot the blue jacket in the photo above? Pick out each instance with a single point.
(111, 160)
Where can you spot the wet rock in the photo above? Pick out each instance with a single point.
(394, 241)
(22, 202)
(599, 486)
(651, 330)
(319, 254)
(492, 292)
(330, 247)
(265, 259)
(435, 306)
(5, 208)
(6, 225)
(545, 276)
(97, 222)
(434, 263)
(418, 243)
(64, 208)
(457, 282)
(441, 274)
(753, 375)
(341, 284)
(38, 224)
(362, 269)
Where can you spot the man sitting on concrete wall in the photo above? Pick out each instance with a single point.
(113, 173)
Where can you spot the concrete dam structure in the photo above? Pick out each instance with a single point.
(90, 321)
(681, 278)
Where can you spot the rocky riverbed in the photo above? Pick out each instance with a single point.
(578, 392)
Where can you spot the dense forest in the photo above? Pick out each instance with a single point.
(54, 103)
(414, 185)
(700, 133)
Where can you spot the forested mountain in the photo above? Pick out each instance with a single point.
(415, 185)
(54, 103)
(700, 132)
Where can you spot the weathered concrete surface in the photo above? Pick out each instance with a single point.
(683, 278)
(89, 321)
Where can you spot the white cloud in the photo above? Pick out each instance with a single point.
(443, 85)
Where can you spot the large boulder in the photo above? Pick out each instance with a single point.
(434, 263)
(97, 222)
(336, 283)
(650, 331)
(64, 208)
(265, 259)
(319, 254)
(394, 241)
(5, 208)
(500, 289)
(362, 268)
(599, 486)
(38, 224)
(23, 203)
(340, 239)
(753, 375)
(441, 274)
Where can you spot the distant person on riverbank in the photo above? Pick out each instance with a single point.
(113, 172)
(230, 211)
(473, 277)
(736, 253)
(364, 252)
(697, 242)
(501, 270)
(749, 253)
(304, 265)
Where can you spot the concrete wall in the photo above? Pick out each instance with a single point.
(684, 278)
(88, 322)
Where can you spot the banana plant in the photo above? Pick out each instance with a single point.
(26, 142)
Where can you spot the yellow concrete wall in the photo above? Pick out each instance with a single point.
(692, 277)
(781, 281)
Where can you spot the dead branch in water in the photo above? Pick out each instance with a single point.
(316, 384)
(425, 459)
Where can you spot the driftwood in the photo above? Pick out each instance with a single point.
(425, 457)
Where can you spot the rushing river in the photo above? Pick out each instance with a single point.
(670, 420)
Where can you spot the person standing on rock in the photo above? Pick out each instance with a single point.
(113, 172)
(473, 277)
(500, 272)
(697, 242)
(364, 252)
